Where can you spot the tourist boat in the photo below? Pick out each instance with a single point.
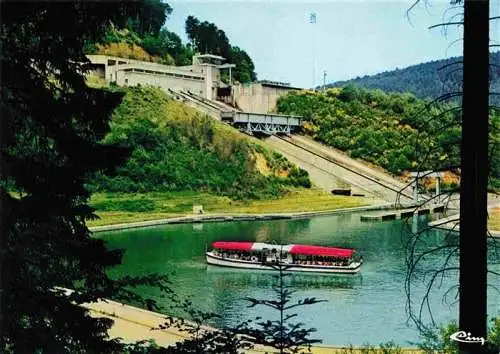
(294, 258)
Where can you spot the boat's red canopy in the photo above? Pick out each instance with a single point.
(321, 251)
(293, 249)
(228, 245)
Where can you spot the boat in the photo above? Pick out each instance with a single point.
(293, 257)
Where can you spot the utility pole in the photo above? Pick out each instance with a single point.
(312, 20)
(324, 80)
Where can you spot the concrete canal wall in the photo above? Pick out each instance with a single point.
(402, 213)
(133, 324)
(452, 223)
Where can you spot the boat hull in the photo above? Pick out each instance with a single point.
(353, 268)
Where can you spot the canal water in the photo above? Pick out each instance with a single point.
(366, 308)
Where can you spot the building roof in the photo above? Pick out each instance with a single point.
(270, 83)
(211, 56)
(225, 66)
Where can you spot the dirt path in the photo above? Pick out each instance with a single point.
(133, 324)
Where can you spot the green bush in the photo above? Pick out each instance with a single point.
(438, 340)
(140, 205)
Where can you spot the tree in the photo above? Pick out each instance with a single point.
(149, 17)
(165, 44)
(51, 129)
(203, 339)
(281, 334)
(207, 38)
(474, 166)
(192, 29)
(474, 174)
(245, 69)
(349, 93)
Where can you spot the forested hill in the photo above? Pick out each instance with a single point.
(426, 80)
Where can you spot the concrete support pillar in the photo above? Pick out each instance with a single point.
(415, 189)
(208, 81)
(414, 223)
(438, 188)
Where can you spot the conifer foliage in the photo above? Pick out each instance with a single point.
(283, 334)
(51, 127)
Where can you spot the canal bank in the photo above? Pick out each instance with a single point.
(220, 217)
(133, 324)
(452, 222)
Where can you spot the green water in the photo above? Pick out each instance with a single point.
(365, 308)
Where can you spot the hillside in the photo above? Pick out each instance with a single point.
(395, 131)
(426, 80)
(146, 37)
(175, 148)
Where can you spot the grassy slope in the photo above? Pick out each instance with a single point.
(174, 148)
(112, 208)
(180, 158)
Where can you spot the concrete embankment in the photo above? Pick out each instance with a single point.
(329, 168)
(452, 223)
(203, 218)
(133, 324)
(402, 213)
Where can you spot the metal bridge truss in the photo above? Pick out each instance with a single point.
(265, 123)
(270, 128)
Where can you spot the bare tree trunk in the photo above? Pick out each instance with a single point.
(474, 174)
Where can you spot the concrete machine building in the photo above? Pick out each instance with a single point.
(260, 96)
(200, 84)
(201, 78)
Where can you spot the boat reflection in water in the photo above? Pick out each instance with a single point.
(243, 279)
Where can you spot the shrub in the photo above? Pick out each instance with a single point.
(125, 50)
(139, 205)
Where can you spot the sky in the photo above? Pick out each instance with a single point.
(350, 37)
